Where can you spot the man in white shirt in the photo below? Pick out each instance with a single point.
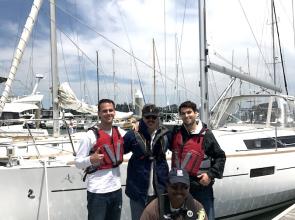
(100, 153)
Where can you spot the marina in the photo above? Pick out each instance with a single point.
(255, 127)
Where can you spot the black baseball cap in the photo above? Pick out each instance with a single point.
(150, 110)
(177, 175)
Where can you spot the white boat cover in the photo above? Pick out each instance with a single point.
(68, 100)
(33, 99)
(19, 107)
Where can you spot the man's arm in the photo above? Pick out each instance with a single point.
(128, 141)
(213, 150)
(82, 160)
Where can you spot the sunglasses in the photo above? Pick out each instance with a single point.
(180, 186)
(151, 117)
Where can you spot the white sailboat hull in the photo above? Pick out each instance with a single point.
(25, 192)
(237, 195)
(255, 180)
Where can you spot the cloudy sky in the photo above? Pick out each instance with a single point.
(238, 32)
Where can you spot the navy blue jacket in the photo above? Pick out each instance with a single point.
(139, 165)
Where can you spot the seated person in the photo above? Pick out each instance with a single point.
(177, 204)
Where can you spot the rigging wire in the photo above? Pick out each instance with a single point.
(181, 33)
(259, 48)
(279, 41)
(82, 53)
(158, 62)
(260, 43)
(63, 58)
(293, 24)
(213, 80)
(178, 52)
(236, 67)
(184, 82)
(165, 55)
(113, 43)
(131, 50)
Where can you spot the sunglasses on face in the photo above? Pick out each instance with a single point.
(151, 117)
(180, 186)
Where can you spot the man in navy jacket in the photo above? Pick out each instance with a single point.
(147, 170)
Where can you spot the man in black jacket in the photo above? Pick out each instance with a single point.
(195, 148)
(147, 170)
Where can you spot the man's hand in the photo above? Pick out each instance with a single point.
(205, 180)
(96, 158)
(135, 126)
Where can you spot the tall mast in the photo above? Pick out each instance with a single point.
(114, 76)
(154, 71)
(54, 72)
(176, 69)
(97, 77)
(25, 36)
(204, 110)
(165, 58)
(131, 82)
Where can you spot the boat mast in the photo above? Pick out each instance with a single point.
(114, 77)
(54, 72)
(176, 69)
(204, 110)
(25, 36)
(154, 72)
(97, 77)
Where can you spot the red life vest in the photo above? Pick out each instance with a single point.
(111, 147)
(188, 155)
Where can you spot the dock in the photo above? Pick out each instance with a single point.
(287, 214)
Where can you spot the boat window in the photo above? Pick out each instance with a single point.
(270, 143)
(247, 110)
(290, 113)
(9, 118)
(264, 171)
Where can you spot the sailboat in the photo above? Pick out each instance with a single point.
(257, 133)
(39, 180)
(38, 177)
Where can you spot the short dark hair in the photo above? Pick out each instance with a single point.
(188, 104)
(105, 101)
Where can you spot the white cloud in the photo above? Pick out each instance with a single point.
(134, 23)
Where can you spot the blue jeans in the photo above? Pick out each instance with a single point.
(204, 194)
(104, 206)
(137, 208)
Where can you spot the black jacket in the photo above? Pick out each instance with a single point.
(211, 148)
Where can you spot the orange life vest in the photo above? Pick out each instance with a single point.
(111, 147)
(188, 155)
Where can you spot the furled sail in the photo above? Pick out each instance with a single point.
(68, 100)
